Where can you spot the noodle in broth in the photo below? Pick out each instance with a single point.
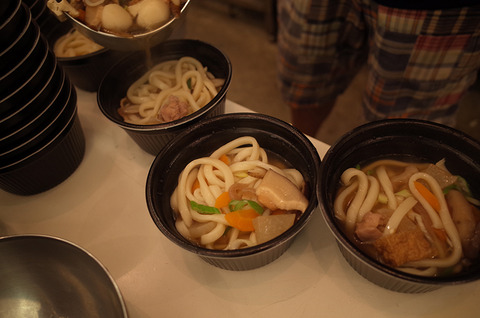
(417, 218)
(238, 170)
(74, 44)
(169, 91)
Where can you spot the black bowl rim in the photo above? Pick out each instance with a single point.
(40, 91)
(45, 108)
(10, 17)
(350, 246)
(248, 251)
(28, 53)
(22, 34)
(179, 122)
(43, 9)
(42, 129)
(40, 41)
(56, 135)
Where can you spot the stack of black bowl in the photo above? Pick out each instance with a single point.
(41, 140)
(41, 13)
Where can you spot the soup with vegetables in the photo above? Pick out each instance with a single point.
(237, 197)
(121, 17)
(415, 217)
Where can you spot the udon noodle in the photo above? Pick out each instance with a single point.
(169, 91)
(417, 218)
(229, 199)
(74, 44)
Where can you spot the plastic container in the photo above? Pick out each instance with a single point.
(152, 138)
(86, 71)
(403, 139)
(201, 140)
(48, 164)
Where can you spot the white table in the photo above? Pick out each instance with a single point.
(102, 208)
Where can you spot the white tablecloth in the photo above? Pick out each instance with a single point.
(102, 208)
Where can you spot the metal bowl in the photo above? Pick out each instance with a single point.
(43, 276)
(136, 42)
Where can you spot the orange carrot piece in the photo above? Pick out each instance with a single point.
(195, 185)
(225, 159)
(429, 196)
(222, 200)
(440, 233)
(242, 219)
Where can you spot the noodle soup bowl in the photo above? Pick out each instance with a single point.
(407, 140)
(152, 138)
(84, 71)
(204, 138)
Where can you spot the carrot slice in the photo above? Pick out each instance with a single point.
(222, 200)
(242, 219)
(225, 159)
(440, 233)
(429, 196)
(195, 185)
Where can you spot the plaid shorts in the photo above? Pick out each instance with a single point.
(420, 62)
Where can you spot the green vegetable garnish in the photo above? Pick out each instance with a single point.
(236, 205)
(463, 186)
(189, 83)
(382, 198)
(204, 209)
(450, 187)
(404, 193)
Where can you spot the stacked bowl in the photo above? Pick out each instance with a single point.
(41, 140)
(40, 13)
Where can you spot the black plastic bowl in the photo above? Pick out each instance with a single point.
(61, 112)
(86, 71)
(201, 140)
(152, 138)
(50, 163)
(24, 82)
(29, 115)
(406, 139)
(13, 54)
(14, 16)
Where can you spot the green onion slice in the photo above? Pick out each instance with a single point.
(236, 205)
(204, 209)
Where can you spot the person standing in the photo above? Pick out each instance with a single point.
(422, 56)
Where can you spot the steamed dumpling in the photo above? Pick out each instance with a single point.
(115, 18)
(150, 13)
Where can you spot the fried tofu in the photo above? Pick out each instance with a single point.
(403, 247)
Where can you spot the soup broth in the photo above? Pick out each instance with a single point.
(239, 196)
(415, 217)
